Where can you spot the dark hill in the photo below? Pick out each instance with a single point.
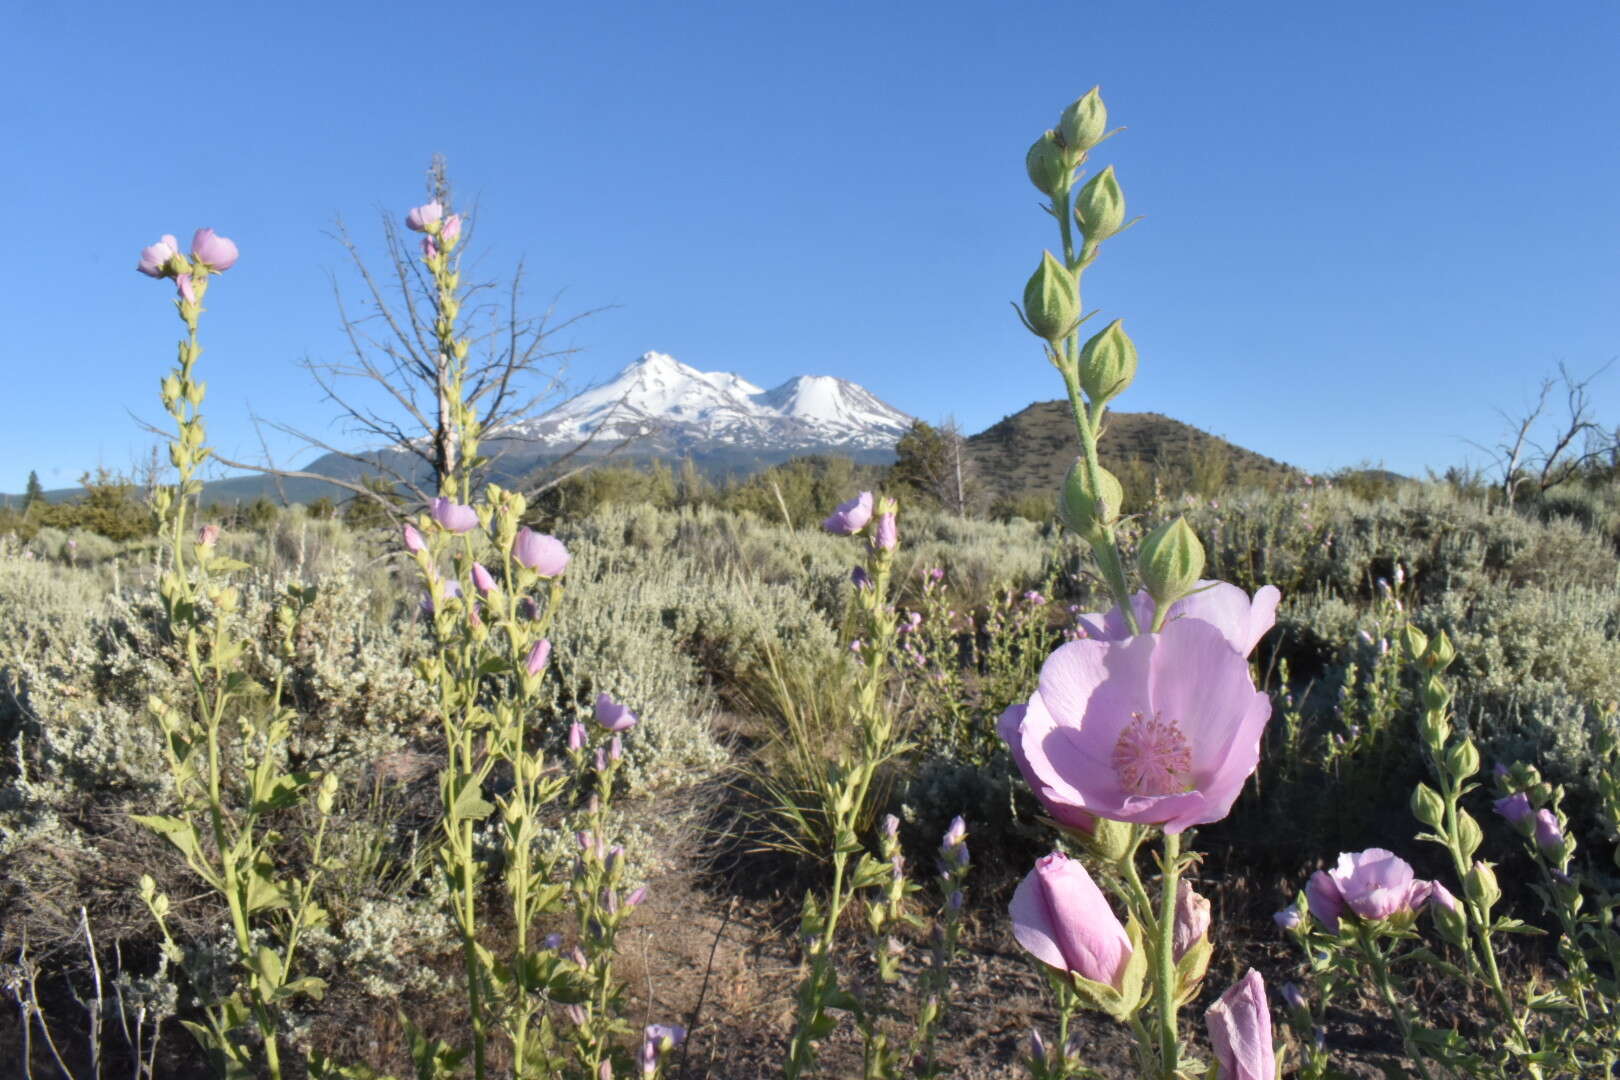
(1029, 452)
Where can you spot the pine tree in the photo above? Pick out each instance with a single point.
(34, 494)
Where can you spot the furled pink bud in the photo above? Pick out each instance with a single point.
(1037, 1045)
(1515, 808)
(1192, 919)
(1288, 918)
(539, 653)
(615, 749)
(613, 716)
(454, 516)
(1549, 835)
(576, 736)
(421, 217)
(450, 232)
(213, 250)
(545, 555)
(637, 895)
(1062, 918)
(851, 517)
(483, 580)
(413, 540)
(955, 833)
(187, 288)
(1240, 1031)
(887, 536)
(155, 258)
(208, 535)
(1440, 896)
(1325, 901)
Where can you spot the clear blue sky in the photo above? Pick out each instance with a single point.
(1366, 225)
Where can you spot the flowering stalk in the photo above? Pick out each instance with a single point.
(458, 426)
(935, 989)
(221, 826)
(848, 785)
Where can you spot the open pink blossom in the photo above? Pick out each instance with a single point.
(453, 516)
(1243, 620)
(1063, 919)
(421, 217)
(851, 517)
(155, 257)
(1064, 814)
(613, 716)
(1376, 884)
(1239, 1027)
(543, 554)
(1159, 729)
(213, 250)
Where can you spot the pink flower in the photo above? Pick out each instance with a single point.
(1376, 884)
(576, 736)
(613, 716)
(450, 232)
(851, 517)
(1516, 808)
(543, 554)
(538, 655)
(213, 250)
(1244, 621)
(454, 516)
(187, 288)
(1063, 920)
(1440, 896)
(155, 257)
(1062, 813)
(1192, 919)
(1240, 1031)
(208, 535)
(1160, 729)
(413, 540)
(887, 536)
(422, 216)
(483, 580)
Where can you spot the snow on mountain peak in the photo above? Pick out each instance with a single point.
(688, 407)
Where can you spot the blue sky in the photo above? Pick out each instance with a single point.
(1366, 227)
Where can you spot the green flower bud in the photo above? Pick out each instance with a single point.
(1427, 806)
(1084, 123)
(1413, 642)
(1085, 511)
(1100, 207)
(1462, 759)
(1436, 695)
(1049, 168)
(1109, 840)
(1051, 303)
(1440, 653)
(1469, 834)
(1171, 561)
(1108, 363)
(1481, 886)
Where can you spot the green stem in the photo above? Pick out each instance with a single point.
(1380, 970)
(1164, 989)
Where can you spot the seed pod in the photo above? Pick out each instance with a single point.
(1051, 303)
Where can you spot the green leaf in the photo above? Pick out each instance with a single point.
(470, 803)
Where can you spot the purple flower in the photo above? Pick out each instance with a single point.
(937, 573)
(1516, 808)
(413, 540)
(539, 653)
(860, 578)
(155, 258)
(1549, 835)
(543, 554)
(1035, 598)
(1160, 729)
(1192, 919)
(454, 516)
(1374, 884)
(483, 581)
(1062, 919)
(1009, 728)
(659, 1040)
(887, 535)
(851, 517)
(1288, 918)
(1239, 1027)
(213, 250)
(1322, 896)
(956, 832)
(1242, 620)
(1293, 995)
(421, 217)
(637, 895)
(576, 736)
(613, 716)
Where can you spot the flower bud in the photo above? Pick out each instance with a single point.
(1549, 834)
(483, 580)
(1462, 759)
(1048, 166)
(886, 537)
(1099, 209)
(1413, 642)
(615, 749)
(1085, 511)
(1192, 919)
(208, 535)
(1288, 918)
(1171, 561)
(421, 217)
(1440, 653)
(1515, 808)
(413, 540)
(450, 232)
(1085, 122)
(576, 736)
(1239, 1027)
(1481, 886)
(1062, 918)
(1107, 363)
(1469, 834)
(1427, 806)
(539, 653)
(1051, 302)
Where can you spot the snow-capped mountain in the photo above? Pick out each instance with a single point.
(679, 407)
